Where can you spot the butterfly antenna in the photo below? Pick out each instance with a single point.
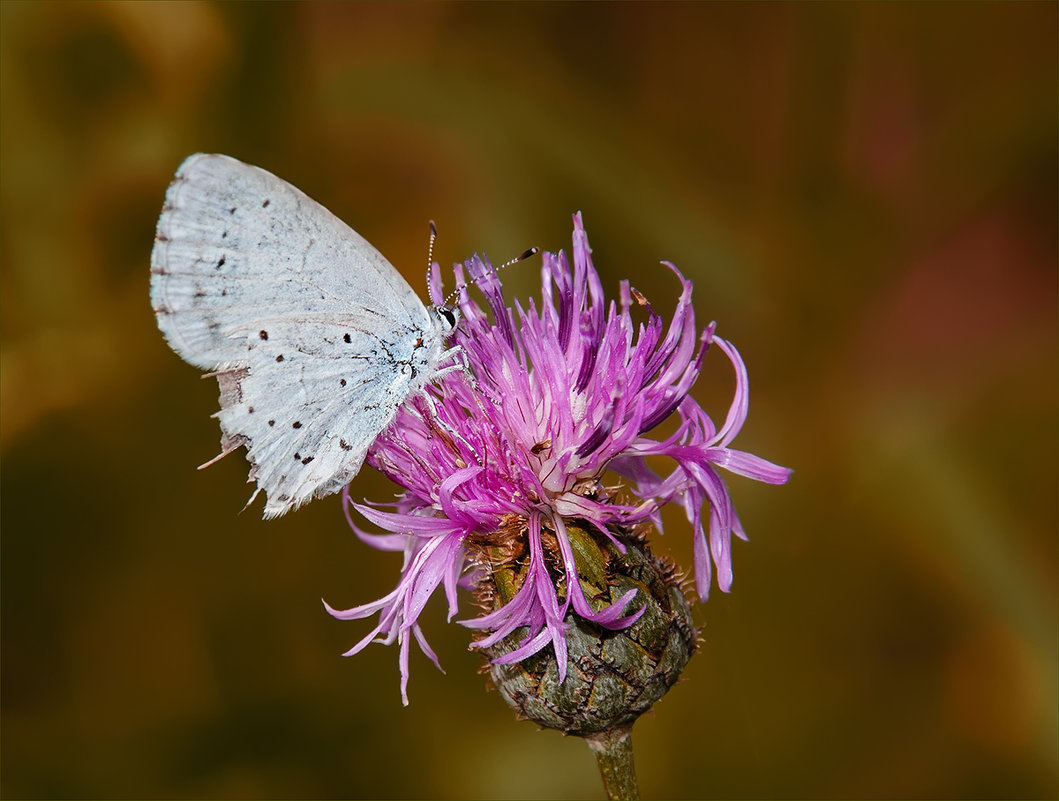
(430, 249)
(494, 271)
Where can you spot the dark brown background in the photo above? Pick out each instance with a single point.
(865, 196)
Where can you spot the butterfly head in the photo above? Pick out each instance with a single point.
(446, 318)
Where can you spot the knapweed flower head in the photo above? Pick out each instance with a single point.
(510, 466)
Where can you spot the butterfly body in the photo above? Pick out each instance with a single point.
(316, 340)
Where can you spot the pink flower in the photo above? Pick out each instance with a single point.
(562, 393)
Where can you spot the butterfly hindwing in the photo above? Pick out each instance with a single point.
(309, 439)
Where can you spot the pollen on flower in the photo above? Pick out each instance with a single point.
(501, 476)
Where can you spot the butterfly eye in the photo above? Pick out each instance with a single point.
(450, 316)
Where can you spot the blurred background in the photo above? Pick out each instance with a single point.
(865, 196)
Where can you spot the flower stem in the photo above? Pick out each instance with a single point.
(613, 750)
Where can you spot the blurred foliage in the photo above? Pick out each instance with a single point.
(865, 195)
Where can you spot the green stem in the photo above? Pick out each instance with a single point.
(613, 750)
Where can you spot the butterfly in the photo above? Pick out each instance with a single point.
(315, 339)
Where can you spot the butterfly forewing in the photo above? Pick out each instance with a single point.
(235, 243)
(315, 336)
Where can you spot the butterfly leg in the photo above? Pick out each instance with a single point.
(464, 365)
(434, 421)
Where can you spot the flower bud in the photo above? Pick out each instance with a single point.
(612, 676)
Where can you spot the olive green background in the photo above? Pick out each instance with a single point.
(865, 197)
